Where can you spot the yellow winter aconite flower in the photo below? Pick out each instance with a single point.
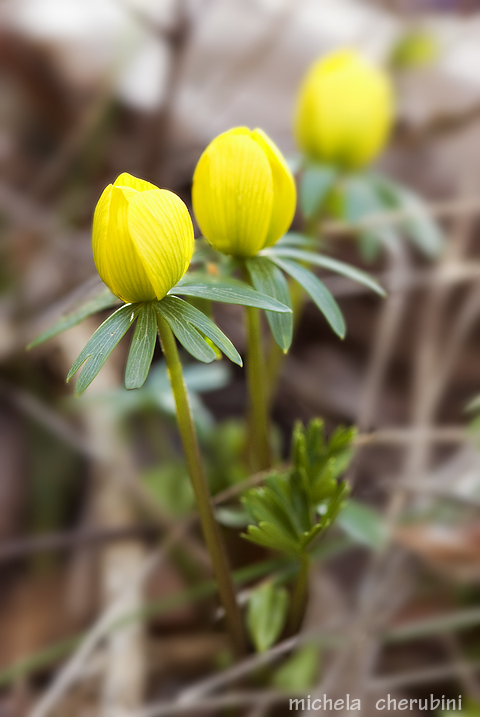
(142, 239)
(344, 110)
(243, 192)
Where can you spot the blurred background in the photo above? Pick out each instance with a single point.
(93, 489)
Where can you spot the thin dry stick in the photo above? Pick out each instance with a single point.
(419, 677)
(271, 697)
(60, 427)
(466, 671)
(386, 334)
(425, 368)
(70, 671)
(426, 391)
(388, 327)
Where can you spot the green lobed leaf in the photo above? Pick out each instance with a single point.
(269, 279)
(318, 292)
(266, 614)
(228, 292)
(314, 186)
(104, 300)
(142, 348)
(265, 506)
(191, 315)
(187, 334)
(101, 344)
(270, 536)
(327, 262)
(291, 493)
(335, 504)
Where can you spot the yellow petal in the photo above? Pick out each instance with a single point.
(284, 190)
(344, 110)
(162, 233)
(128, 180)
(99, 233)
(232, 193)
(114, 252)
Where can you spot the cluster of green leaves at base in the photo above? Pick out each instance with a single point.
(294, 506)
(357, 197)
(197, 333)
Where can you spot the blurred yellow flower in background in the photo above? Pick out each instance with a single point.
(142, 239)
(344, 110)
(243, 192)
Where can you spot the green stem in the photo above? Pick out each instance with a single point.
(299, 596)
(276, 357)
(259, 425)
(211, 530)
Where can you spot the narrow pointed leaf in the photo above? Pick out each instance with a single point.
(142, 348)
(318, 292)
(327, 262)
(197, 318)
(422, 229)
(101, 345)
(296, 239)
(359, 199)
(229, 293)
(104, 300)
(269, 279)
(187, 334)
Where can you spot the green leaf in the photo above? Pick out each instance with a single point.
(269, 536)
(265, 506)
(187, 334)
(141, 348)
(363, 524)
(370, 246)
(200, 321)
(104, 300)
(318, 292)
(418, 224)
(266, 615)
(296, 239)
(101, 345)
(170, 486)
(327, 262)
(300, 672)
(315, 183)
(268, 279)
(359, 199)
(228, 293)
(232, 517)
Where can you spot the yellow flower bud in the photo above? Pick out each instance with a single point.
(243, 192)
(344, 110)
(142, 239)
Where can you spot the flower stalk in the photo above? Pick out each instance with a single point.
(210, 527)
(299, 596)
(259, 424)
